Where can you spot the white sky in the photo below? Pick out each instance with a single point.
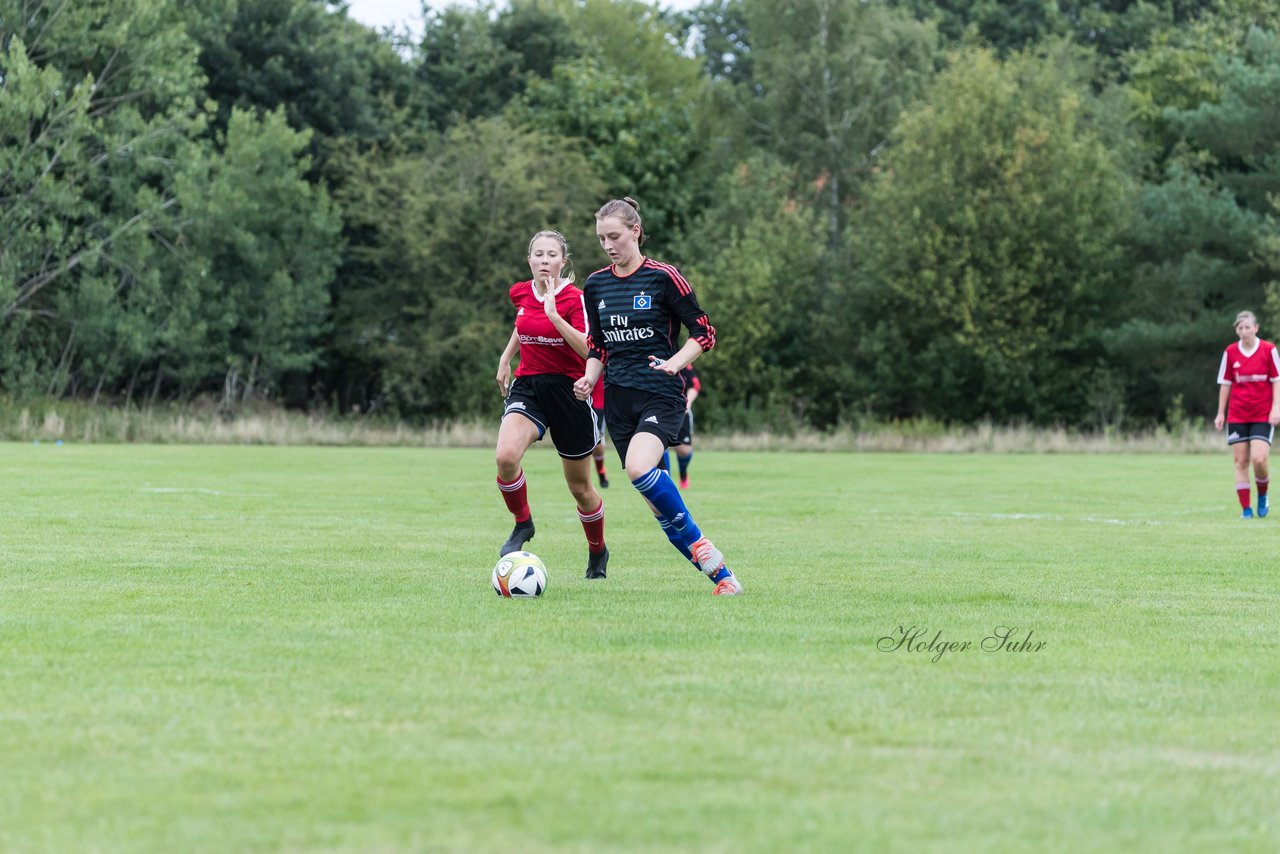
(382, 13)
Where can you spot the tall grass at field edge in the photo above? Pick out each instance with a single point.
(193, 425)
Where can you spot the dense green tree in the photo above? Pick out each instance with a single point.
(98, 106)
(1205, 97)
(832, 76)
(641, 144)
(720, 36)
(137, 52)
(151, 252)
(328, 73)
(1006, 26)
(474, 61)
(422, 312)
(637, 39)
(259, 252)
(46, 144)
(631, 100)
(991, 247)
(754, 259)
(1110, 27)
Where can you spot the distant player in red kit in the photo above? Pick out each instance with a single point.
(551, 336)
(684, 439)
(597, 404)
(1247, 376)
(684, 447)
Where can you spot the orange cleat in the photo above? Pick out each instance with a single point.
(728, 587)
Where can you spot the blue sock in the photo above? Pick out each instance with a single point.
(663, 495)
(665, 463)
(684, 464)
(674, 536)
(722, 574)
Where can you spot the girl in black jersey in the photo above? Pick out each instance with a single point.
(634, 309)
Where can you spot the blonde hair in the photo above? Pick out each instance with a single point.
(1242, 315)
(626, 209)
(567, 273)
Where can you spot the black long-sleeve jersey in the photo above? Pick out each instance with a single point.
(630, 318)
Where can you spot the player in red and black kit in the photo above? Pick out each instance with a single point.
(1247, 376)
(635, 308)
(684, 437)
(597, 405)
(550, 335)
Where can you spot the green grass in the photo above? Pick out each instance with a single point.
(254, 648)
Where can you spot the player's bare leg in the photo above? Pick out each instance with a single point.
(515, 436)
(577, 474)
(1240, 455)
(1260, 456)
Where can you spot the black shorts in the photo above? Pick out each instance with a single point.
(1237, 433)
(631, 411)
(685, 434)
(549, 402)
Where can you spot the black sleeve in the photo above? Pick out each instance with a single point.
(591, 307)
(685, 306)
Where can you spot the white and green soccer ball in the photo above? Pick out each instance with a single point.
(519, 575)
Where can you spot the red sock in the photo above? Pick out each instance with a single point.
(1242, 492)
(598, 456)
(517, 497)
(593, 525)
(1262, 482)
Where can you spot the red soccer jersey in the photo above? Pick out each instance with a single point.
(1250, 376)
(543, 349)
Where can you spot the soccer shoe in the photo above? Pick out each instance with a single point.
(520, 534)
(597, 563)
(729, 586)
(1247, 514)
(709, 558)
(1263, 506)
(684, 483)
(604, 481)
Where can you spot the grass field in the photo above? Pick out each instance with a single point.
(247, 648)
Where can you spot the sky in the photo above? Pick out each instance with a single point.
(382, 13)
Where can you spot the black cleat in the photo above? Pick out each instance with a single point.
(520, 534)
(604, 481)
(597, 563)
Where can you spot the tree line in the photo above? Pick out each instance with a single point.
(891, 209)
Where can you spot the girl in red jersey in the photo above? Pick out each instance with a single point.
(1247, 376)
(551, 337)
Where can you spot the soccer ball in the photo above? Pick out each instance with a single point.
(519, 575)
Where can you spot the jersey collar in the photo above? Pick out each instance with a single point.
(614, 268)
(561, 285)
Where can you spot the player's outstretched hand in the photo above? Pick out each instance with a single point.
(549, 299)
(582, 388)
(1218, 422)
(504, 378)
